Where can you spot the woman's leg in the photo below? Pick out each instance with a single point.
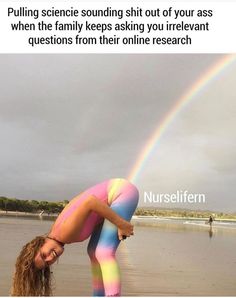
(107, 242)
(97, 281)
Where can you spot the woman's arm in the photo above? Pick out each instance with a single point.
(124, 227)
(74, 223)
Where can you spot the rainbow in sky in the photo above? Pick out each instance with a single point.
(189, 95)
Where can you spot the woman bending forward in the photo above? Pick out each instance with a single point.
(102, 213)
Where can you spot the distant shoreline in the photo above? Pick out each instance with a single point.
(182, 217)
(23, 214)
(52, 216)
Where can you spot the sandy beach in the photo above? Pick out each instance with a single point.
(164, 258)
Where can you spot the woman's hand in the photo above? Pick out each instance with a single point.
(125, 229)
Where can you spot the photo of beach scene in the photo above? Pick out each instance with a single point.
(164, 122)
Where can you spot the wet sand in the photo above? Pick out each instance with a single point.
(167, 259)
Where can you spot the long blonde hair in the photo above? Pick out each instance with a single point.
(29, 280)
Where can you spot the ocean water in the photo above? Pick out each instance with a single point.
(163, 258)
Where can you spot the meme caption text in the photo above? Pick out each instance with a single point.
(83, 26)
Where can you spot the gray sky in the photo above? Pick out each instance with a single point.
(69, 121)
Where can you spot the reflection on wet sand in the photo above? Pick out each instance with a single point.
(210, 232)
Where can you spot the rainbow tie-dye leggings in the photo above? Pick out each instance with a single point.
(122, 197)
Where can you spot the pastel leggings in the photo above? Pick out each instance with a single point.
(104, 242)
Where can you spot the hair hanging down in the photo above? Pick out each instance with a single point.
(28, 280)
